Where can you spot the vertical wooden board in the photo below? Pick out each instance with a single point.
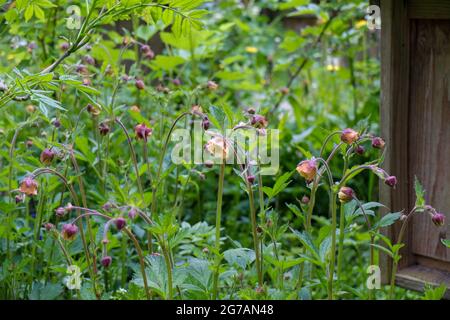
(394, 116)
(429, 140)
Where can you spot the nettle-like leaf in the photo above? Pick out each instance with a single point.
(281, 184)
(387, 220)
(241, 257)
(420, 193)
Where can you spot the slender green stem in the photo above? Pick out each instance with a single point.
(255, 235)
(218, 220)
(333, 245)
(166, 254)
(341, 241)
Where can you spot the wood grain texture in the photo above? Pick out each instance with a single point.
(415, 277)
(429, 9)
(394, 118)
(429, 136)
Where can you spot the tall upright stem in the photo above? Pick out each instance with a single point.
(333, 245)
(218, 220)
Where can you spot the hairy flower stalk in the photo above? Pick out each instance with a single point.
(121, 227)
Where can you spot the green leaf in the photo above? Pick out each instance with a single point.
(420, 193)
(387, 220)
(28, 13)
(241, 257)
(446, 242)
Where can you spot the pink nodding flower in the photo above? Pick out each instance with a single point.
(47, 156)
(29, 186)
(69, 231)
(349, 136)
(120, 223)
(391, 181)
(307, 169)
(438, 219)
(346, 194)
(106, 261)
(378, 143)
(142, 131)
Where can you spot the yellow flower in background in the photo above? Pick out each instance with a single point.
(332, 67)
(360, 24)
(251, 49)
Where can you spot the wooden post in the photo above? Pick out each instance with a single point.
(415, 121)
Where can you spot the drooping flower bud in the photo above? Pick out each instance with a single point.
(60, 212)
(47, 156)
(56, 123)
(29, 186)
(93, 110)
(106, 261)
(205, 123)
(29, 143)
(139, 84)
(18, 198)
(209, 164)
(82, 69)
(305, 199)
(132, 213)
(378, 143)
(211, 85)
(360, 150)
(251, 179)
(349, 136)
(89, 60)
(120, 223)
(103, 128)
(49, 226)
(346, 194)
(69, 231)
(307, 169)
(176, 82)
(259, 121)
(438, 219)
(391, 181)
(284, 90)
(142, 131)
(64, 46)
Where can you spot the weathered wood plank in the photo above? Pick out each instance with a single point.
(416, 276)
(429, 135)
(429, 9)
(394, 116)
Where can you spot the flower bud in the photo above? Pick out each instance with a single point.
(120, 223)
(349, 136)
(176, 82)
(391, 181)
(47, 156)
(30, 108)
(29, 143)
(56, 123)
(149, 55)
(284, 90)
(132, 213)
(60, 212)
(93, 110)
(142, 131)
(360, 150)
(106, 261)
(209, 164)
(251, 179)
(346, 194)
(48, 226)
(29, 186)
(305, 199)
(89, 60)
(205, 250)
(145, 48)
(251, 111)
(81, 68)
(139, 84)
(378, 143)
(211, 85)
(258, 121)
(205, 123)
(307, 169)
(438, 219)
(64, 46)
(18, 198)
(259, 230)
(69, 231)
(103, 128)
(107, 206)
